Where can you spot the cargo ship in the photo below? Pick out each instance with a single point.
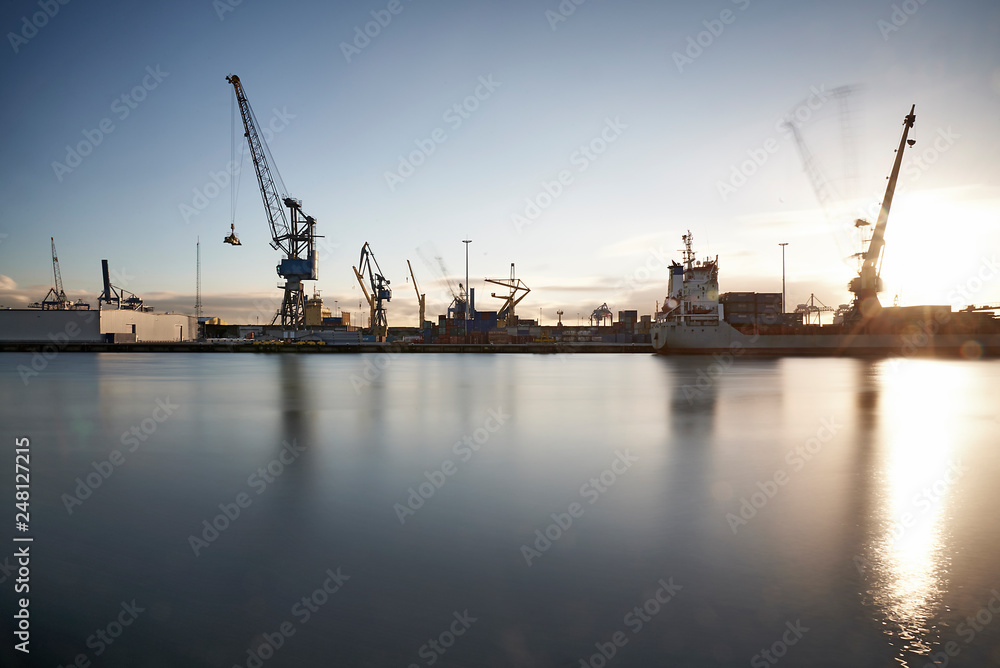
(696, 319)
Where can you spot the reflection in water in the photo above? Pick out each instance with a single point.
(918, 437)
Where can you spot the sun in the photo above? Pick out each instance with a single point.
(934, 242)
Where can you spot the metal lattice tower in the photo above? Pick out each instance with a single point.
(197, 299)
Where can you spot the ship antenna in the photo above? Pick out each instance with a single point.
(688, 253)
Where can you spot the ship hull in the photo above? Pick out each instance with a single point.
(722, 338)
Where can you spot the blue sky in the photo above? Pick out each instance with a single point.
(668, 120)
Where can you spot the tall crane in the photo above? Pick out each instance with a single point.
(868, 283)
(380, 291)
(421, 298)
(828, 196)
(517, 291)
(294, 234)
(58, 300)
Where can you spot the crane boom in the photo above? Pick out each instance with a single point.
(60, 293)
(421, 299)
(868, 283)
(294, 234)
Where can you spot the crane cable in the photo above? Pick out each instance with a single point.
(234, 190)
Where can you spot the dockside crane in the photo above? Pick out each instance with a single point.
(379, 294)
(294, 234)
(868, 282)
(58, 300)
(600, 314)
(517, 291)
(421, 298)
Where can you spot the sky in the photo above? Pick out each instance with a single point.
(578, 140)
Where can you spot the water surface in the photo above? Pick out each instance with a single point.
(828, 512)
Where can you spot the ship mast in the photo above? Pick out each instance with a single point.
(868, 283)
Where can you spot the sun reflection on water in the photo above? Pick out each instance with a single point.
(918, 459)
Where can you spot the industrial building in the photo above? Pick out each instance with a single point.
(93, 326)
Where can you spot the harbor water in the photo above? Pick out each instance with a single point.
(504, 510)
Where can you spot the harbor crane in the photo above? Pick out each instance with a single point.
(600, 314)
(809, 308)
(58, 301)
(117, 298)
(380, 291)
(868, 282)
(517, 291)
(294, 233)
(421, 298)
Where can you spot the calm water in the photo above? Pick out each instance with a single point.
(827, 512)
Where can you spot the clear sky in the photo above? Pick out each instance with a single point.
(670, 97)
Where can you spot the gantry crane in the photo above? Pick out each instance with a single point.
(809, 308)
(421, 298)
(380, 291)
(868, 283)
(518, 291)
(600, 314)
(294, 234)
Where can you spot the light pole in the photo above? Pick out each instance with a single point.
(783, 276)
(467, 291)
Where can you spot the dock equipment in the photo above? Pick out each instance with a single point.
(421, 298)
(294, 234)
(379, 294)
(517, 291)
